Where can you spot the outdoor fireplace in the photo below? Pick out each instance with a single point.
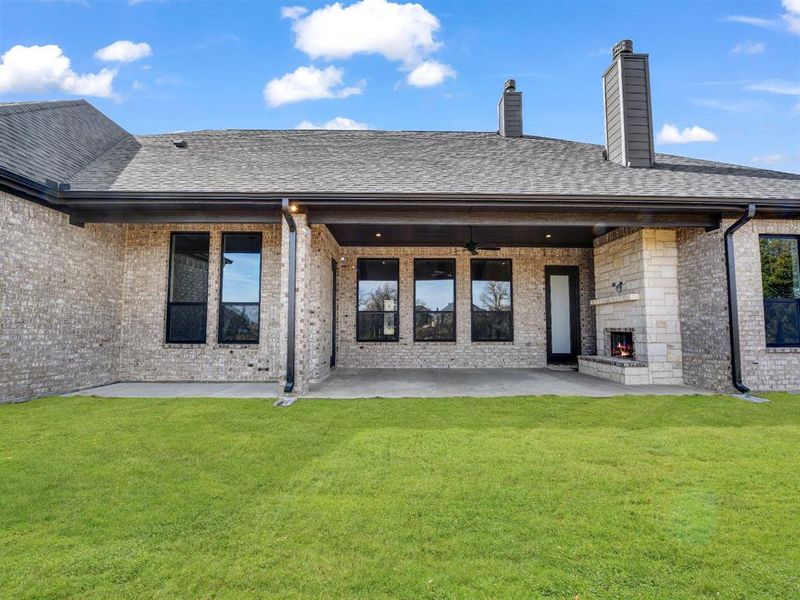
(622, 344)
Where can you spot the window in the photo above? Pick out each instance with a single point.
(492, 315)
(378, 283)
(434, 300)
(780, 278)
(240, 288)
(187, 297)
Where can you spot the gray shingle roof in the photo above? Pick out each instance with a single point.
(406, 162)
(72, 141)
(54, 140)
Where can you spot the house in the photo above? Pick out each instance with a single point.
(277, 255)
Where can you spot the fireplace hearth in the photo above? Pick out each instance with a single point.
(621, 344)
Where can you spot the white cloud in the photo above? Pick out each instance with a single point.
(754, 21)
(38, 69)
(792, 15)
(789, 20)
(124, 51)
(670, 134)
(429, 73)
(748, 47)
(308, 83)
(335, 123)
(398, 32)
(293, 12)
(776, 86)
(137, 85)
(732, 106)
(772, 159)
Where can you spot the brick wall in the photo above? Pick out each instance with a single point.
(703, 297)
(529, 348)
(60, 301)
(146, 357)
(324, 249)
(762, 368)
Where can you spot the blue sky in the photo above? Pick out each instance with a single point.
(723, 71)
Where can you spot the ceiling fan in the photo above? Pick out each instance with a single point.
(472, 246)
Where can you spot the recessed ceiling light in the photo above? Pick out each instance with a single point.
(377, 235)
(548, 236)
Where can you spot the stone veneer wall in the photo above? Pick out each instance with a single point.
(762, 368)
(646, 261)
(703, 298)
(144, 354)
(529, 348)
(60, 301)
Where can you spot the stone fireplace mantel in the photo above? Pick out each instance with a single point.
(615, 299)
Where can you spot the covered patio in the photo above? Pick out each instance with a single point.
(405, 383)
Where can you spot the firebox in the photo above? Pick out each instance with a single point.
(622, 344)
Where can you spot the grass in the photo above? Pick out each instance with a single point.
(651, 497)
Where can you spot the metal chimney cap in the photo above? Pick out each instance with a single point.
(624, 46)
(510, 86)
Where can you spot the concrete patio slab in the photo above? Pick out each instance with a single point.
(437, 383)
(182, 390)
(403, 383)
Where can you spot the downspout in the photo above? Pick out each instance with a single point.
(733, 304)
(287, 214)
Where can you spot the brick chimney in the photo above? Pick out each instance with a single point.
(628, 108)
(510, 111)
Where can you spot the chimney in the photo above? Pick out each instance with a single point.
(628, 109)
(510, 111)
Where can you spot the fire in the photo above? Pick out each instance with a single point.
(623, 350)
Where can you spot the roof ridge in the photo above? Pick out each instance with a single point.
(11, 108)
(308, 131)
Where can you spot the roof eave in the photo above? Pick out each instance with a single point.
(74, 201)
(85, 198)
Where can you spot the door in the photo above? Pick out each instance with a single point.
(333, 313)
(563, 314)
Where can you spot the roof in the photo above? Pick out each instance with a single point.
(54, 140)
(360, 162)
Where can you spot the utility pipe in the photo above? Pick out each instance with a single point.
(733, 304)
(287, 215)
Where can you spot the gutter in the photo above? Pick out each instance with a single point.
(733, 304)
(89, 198)
(27, 188)
(290, 330)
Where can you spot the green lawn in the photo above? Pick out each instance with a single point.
(650, 497)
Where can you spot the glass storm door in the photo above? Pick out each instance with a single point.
(563, 314)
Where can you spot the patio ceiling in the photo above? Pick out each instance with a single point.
(505, 227)
(458, 235)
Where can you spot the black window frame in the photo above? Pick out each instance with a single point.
(768, 301)
(221, 304)
(472, 310)
(454, 311)
(170, 303)
(396, 312)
